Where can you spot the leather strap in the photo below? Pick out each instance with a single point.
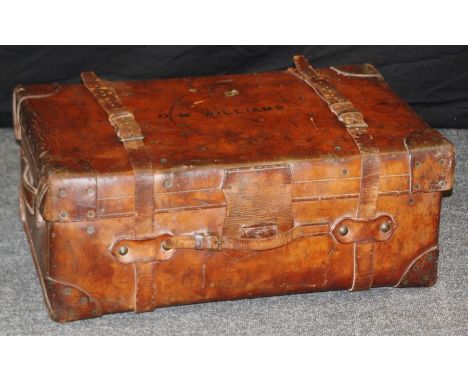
(163, 247)
(217, 242)
(357, 128)
(129, 133)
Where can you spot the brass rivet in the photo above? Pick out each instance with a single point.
(442, 161)
(163, 160)
(67, 291)
(63, 215)
(425, 278)
(429, 258)
(90, 191)
(337, 148)
(90, 229)
(123, 250)
(62, 193)
(417, 164)
(343, 230)
(168, 183)
(91, 214)
(345, 171)
(385, 227)
(405, 282)
(84, 300)
(441, 183)
(166, 245)
(417, 186)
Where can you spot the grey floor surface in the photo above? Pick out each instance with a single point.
(440, 310)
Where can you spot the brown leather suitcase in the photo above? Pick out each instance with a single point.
(138, 195)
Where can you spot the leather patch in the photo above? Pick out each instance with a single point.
(259, 231)
(131, 251)
(257, 196)
(422, 272)
(69, 303)
(355, 230)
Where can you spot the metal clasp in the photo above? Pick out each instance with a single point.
(125, 125)
(213, 241)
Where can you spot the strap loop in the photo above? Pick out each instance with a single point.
(354, 122)
(129, 133)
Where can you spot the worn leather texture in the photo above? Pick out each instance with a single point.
(238, 161)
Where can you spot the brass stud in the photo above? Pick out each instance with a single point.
(429, 258)
(425, 277)
(166, 245)
(343, 230)
(168, 183)
(91, 214)
(417, 164)
(417, 186)
(123, 250)
(84, 300)
(345, 171)
(62, 193)
(67, 291)
(385, 227)
(90, 230)
(163, 160)
(337, 147)
(441, 183)
(442, 161)
(63, 215)
(90, 191)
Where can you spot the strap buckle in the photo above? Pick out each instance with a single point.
(125, 126)
(213, 241)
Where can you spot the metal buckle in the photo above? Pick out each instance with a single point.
(123, 140)
(213, 241)
(115, 120)
(120, 114)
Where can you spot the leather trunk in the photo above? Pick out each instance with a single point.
(144, 194)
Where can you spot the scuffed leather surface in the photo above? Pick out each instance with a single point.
(189, 161)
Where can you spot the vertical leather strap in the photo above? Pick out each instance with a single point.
(129, 133)
(357, 128)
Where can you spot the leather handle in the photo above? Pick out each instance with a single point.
(164, 247)
(31, 196)
(216, 242)
(29, 191)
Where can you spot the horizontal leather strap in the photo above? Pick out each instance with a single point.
(216, 242)
(128, 251)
